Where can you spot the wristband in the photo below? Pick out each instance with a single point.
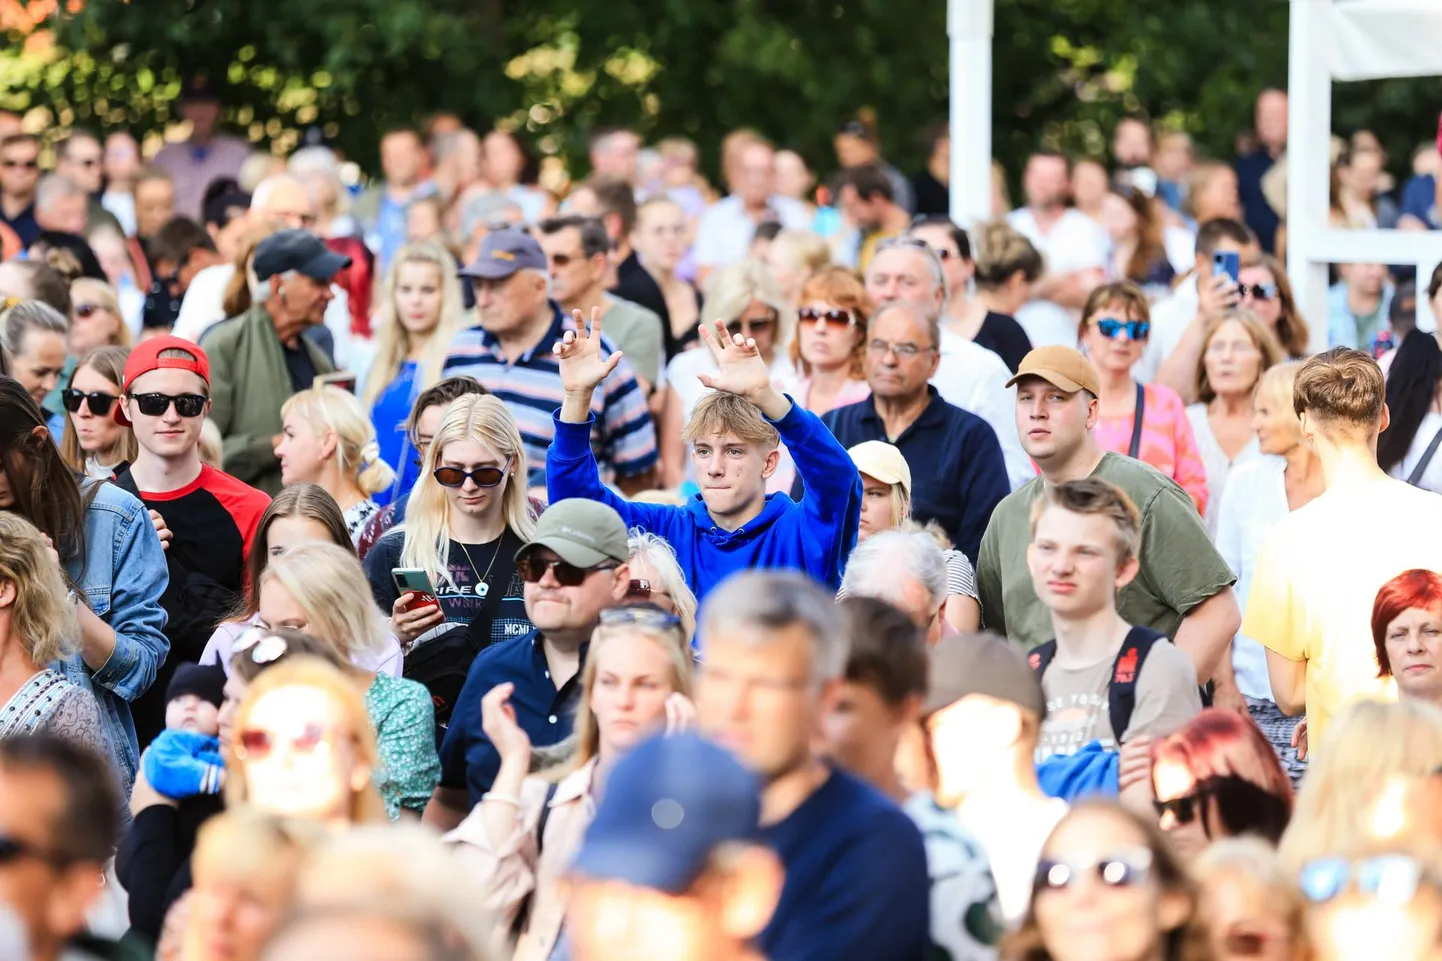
(510, 799)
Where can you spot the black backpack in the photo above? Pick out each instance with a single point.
(1122, 691)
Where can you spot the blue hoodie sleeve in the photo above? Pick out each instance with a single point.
(571, 472)
(980, 486)
(832, 502)
(1089, 772)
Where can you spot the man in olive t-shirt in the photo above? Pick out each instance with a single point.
(1183, 586)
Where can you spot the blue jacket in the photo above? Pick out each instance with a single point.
(1089, 772)
(123, 578)
(815, 535)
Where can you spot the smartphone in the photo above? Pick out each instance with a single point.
(413, 580)
(1227, 262)
(344, 379)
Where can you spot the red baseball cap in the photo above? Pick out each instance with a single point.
(145, 357)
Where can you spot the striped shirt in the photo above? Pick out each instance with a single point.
(624, 438)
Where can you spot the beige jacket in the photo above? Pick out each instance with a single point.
(520, 866)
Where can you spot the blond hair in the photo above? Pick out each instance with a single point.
(330, 409)
(393, 341)
(309, 672)
(802, 249)
(1252, 858)
(656, 551)
(108, 362)
(730, 290)
(330, 585)
(722, 414)
(1261, 337)
(40, 618)
(485, 419)
(104, 294)
(1001, 250)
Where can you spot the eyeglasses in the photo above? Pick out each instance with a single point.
(644, 615)
(753, 326)
(834, 317)
(1389, 878)
(1122, 869)
(456, 476)
(1258, 291)
(1110, 327)
(257, 744)
(155, 405)
(20, 164)
(263, 646)
(532, 569)
(903, 351)
(100, 403)
(89, 310)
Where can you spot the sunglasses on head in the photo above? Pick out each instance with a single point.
(155, 405)
(263, 646)
(1258, 291)
(647, 615)
(532, 569)
(834, 317)
(1110, 327)
(257, 744)
(639, 589)
(98, 401)
(456, 476)
(1389, 878)
(1122, 869)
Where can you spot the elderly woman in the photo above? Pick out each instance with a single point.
(1407, 632)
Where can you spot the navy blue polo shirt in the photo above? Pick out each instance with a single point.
(468, 759)
(957, 472)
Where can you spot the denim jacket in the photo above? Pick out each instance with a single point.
(124, 576)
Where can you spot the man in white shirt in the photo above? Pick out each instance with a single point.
(1075, 248)
(724, 234)
(968, 376)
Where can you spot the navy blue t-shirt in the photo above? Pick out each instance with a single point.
(856, 882)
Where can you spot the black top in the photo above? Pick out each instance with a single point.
(932, 196)
(299, 365)
(1003, 336)
(635, 284)
(24, 225)
(153, 862)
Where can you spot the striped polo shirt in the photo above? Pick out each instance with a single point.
(624, 437)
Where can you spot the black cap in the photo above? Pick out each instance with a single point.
(297, 250)
(218, 208)
(200, 88)
(205, 681)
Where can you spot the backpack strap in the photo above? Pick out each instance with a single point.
(1122, 691)
(523, 911)
(1135, 447)
(1041, 657)
(1415, 478)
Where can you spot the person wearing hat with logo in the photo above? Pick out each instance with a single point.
(573, 568)
(208, 517)
(510, 354)
(1183, 588)
(207, 155)
(261, 358)
(674, 866)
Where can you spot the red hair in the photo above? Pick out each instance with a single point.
(1410, 589)
(1219, 743)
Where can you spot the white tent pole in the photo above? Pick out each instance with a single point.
(969, 28)
(1309, 127)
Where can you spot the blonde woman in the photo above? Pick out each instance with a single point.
(93, 441)
(326, 439)
(420, 309)
(95, 318)
(793, 257)
(656, 578)
(747, 299)
(520, 839)
(465, 521)
(1252, 906)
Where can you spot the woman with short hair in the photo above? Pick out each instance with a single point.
(829, 349)
(1407, 634)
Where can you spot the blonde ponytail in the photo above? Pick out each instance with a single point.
(331, 409)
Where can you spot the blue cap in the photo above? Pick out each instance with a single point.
(669, 802)
(297, 250)
(504, 252)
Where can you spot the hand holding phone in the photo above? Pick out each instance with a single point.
(414, 581)
(1227, 262)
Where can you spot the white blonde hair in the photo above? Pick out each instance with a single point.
(393, 341)
(329, 584)
(660, 556)
(485, 419)
(730, 290)
(330, 409)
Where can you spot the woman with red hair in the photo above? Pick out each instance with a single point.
(1218, 777)
(1407, 629)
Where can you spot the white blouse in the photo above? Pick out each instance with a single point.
(1214, 459)
(1254, 500)
(1432, 477)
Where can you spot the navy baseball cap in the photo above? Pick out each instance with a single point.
(669, 802)
(297, 250)
(504, 252)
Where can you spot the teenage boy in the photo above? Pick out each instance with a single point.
(1104, 679)
(210, 515)
(732, 524)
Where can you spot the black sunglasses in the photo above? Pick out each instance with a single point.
(100, 403)
(532, 569)
(754, 325)
(1258, 291)
(456, 476)
(155, 405)
(1185, 809)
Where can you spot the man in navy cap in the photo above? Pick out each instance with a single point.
(260, 358)
(673, 868)
(510, 354)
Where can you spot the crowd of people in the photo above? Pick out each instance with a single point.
(455, 570)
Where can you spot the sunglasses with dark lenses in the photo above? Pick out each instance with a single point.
(1388, 878)
(155, 405)
(639, 589)
(1122, 869)
(1110, 327)
(1184, 809)
(751, 327)
(833, 317)
(1258, 291)
(532, 569)
(88, 310)
(98, 402)
(257, 744)
(456, 476)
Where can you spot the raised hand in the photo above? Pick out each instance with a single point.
(743, 370)
(498, 721)
(582, 367)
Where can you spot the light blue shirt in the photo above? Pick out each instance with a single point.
(724, 234)
(1346, 329)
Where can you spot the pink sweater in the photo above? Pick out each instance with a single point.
(1167, 441)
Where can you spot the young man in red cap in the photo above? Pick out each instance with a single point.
(211, 517)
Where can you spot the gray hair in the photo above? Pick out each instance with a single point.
(260, 289)
(24, 317)
(486, 208)
(753, 603)
(314, 160)
(55, 187)
(927, 322)
(885, 563)
(925, 252)
(260, 199)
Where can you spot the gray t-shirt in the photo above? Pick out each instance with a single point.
(1077, 708)
(637, 332)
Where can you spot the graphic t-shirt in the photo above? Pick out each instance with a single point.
(966, 921)
(1078, 710)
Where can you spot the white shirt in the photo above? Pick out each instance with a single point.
(974, 379)
(1170, 318)
(1254, 499)
(1074, 243)
(122, 208)
(1014, 847)
(1214, 459)
(724, 234)
(1431, 478)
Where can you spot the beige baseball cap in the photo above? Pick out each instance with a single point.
(1062, 367)
(877, 458)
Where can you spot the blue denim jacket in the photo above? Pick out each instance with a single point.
(124, 576)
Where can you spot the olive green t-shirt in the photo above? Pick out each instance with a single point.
(1179, 566)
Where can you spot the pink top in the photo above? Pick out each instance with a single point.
(1168, 443)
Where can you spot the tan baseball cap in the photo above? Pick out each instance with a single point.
(877, 458)
(1062, 367)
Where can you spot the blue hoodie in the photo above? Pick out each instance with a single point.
(815, 535)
